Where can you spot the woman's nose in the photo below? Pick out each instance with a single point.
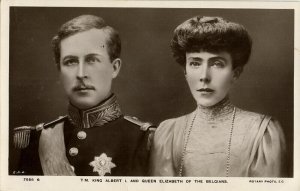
(205, 74)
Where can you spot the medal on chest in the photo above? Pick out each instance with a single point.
(102, 164)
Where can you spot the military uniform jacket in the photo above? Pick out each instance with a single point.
(97, 142)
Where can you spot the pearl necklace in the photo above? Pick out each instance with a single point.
(187, 139)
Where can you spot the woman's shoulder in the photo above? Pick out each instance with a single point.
(169, 127)
(257, 121)
(170, 121)
(263, 138)
(174, 122)
(252, 118)
(249, 115)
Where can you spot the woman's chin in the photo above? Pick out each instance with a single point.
(207, 103)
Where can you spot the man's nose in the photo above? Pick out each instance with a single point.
(205, 74)
(81, 71)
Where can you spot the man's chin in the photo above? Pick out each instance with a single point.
(86, 102)
(83, 104)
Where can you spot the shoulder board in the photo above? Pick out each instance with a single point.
(21, 135)
(54, 122)
(144, 126)
(150, 137)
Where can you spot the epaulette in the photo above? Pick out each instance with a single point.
(22, 134)
(144, 126)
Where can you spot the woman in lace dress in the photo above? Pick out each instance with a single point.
(217, 139)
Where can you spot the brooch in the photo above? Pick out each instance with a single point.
(102, 164)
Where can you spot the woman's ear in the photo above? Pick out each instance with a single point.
(184, 69)
(237, 72)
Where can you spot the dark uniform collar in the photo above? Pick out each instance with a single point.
(106, 111)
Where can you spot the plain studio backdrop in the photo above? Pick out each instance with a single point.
(151, 85)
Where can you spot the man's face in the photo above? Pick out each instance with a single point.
(85, 68)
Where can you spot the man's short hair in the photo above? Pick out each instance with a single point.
(211, 34)
(84, 23)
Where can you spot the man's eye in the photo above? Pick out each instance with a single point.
(92, 60)
(70, 62)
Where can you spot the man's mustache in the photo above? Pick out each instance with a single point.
(82, 86)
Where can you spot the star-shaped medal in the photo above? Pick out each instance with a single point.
(102, 164)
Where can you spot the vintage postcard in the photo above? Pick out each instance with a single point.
(149, 95)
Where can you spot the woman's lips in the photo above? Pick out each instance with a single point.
(205, 91)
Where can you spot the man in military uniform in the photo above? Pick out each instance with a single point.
(95, 138)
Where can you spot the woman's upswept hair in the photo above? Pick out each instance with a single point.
(211, 34)
(84, 23)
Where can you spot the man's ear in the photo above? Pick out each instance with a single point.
(116, 63)
(237, 72)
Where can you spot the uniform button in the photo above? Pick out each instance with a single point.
(81, 135)
(73, 151)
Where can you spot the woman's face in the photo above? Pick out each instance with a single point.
(210, 76)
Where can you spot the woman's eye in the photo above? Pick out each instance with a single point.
(218, 64)
(194, 64)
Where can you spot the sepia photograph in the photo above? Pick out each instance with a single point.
(155, 93)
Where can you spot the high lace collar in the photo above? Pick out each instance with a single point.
(219, 111)
(99, 115)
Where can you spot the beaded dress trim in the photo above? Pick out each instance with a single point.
(217, 113)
